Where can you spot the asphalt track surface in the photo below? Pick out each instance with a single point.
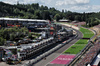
(51, 57)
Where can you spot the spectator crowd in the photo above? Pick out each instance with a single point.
(90, 55)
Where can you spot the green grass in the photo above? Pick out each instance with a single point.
(75, 49)
(86, 33)
(79, 45)
(82, 41)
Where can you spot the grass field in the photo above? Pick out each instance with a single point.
(82, 41)
(79, 45)
(75, 49)
(86, 33)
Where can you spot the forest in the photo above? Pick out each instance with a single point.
(35, 11)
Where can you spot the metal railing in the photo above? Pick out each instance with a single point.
(32, 62)
(82, 51)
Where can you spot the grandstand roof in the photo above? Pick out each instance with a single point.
(17, 19)
(64, 20)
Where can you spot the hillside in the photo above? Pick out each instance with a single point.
(30, 11)
(35, 11)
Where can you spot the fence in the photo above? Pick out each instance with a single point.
(82, 52)
(32, 62)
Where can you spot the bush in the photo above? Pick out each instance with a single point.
(2, 41)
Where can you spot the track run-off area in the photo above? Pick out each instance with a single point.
(65, 55)
(79, 45)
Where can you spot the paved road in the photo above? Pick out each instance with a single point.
(57, 53)
(53, 55)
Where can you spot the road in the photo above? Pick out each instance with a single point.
(51, 56)
(58, 52)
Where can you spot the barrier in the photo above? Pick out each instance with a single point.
(82, 52)
(32, 62)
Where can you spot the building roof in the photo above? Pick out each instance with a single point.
(64, 20)
(11, 47)
(17, 19)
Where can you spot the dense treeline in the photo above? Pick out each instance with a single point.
(15, 34)
(12, 34)
(30, 11)
(34, 11)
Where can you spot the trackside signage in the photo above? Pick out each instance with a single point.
(63, 59)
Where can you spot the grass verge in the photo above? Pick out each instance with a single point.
(86, 33)
(82, 41)
(75, 49)
(79, 45)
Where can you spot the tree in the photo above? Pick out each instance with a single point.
(46, 15)
(35, 5)
(16, 11)
(2, 41)
(12, 36)
(2, 32)
(57, 17)
(37, 14)
(31, 10)
(84, 17)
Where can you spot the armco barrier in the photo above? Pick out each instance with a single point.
(83, 51)
(32, 62)
(79, 55)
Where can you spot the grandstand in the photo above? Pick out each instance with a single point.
(5, 22)
(90, 55)
(96, 61)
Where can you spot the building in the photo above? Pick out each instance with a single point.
(64, 20)
(10, 22)
(24, 51)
